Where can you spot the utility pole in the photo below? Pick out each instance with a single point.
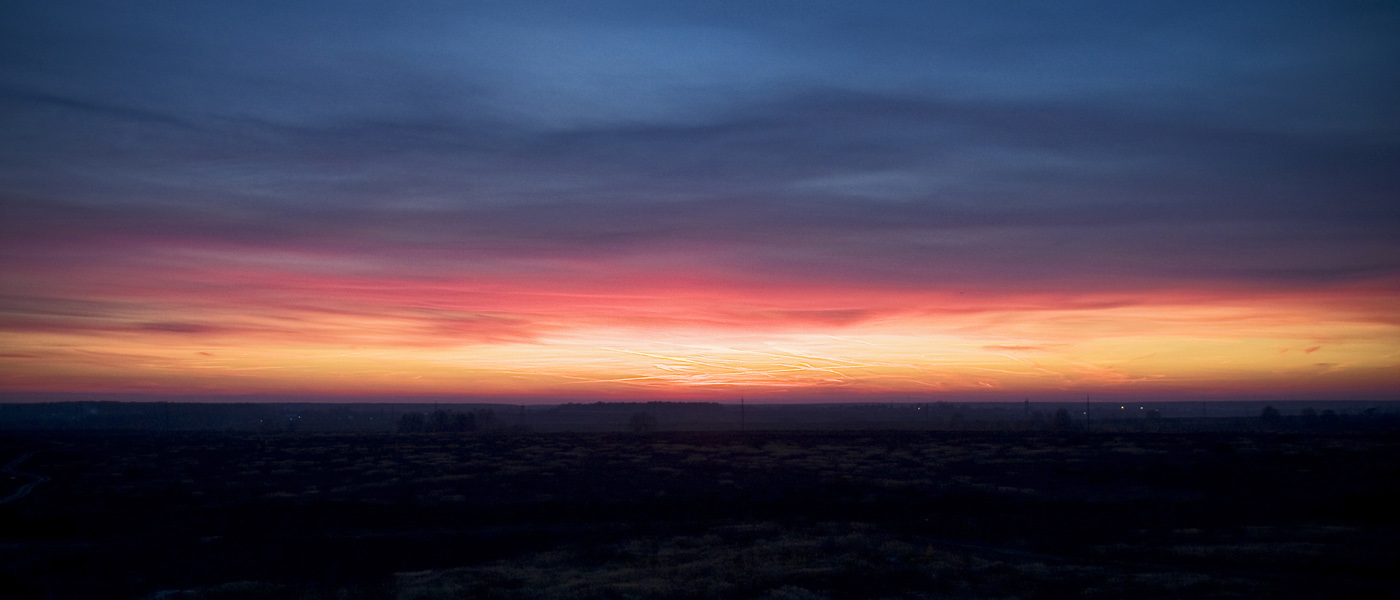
(1086, 412)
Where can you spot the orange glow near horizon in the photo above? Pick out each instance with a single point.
(509, 205)
(363, 337)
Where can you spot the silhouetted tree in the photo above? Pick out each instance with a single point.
(641, 423)
(439, 421)
(1310, 417)
(956, 421)
(1063, 422)
(464, 422)
(1270, 416)
(1329, 418)
(412, 423)
(1037, 420)
(485, 418)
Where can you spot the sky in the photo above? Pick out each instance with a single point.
(778, 201)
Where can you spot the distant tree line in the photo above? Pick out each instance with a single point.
(1309, 418)
(654, 405)
(446, 421)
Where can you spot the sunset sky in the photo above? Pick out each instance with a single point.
(782, 201)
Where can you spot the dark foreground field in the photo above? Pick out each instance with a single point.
(703, 515)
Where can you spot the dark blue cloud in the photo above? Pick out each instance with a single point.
(904, 143)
